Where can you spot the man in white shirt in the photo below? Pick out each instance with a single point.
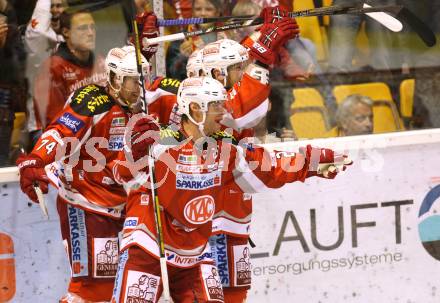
(42, 37)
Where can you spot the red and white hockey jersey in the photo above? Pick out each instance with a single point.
(247, 102)
(90, 131)
(191, 181)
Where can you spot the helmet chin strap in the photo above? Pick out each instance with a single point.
(118, 98)
(223, 72)
(200, 124)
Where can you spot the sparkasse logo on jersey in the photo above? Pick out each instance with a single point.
(78, 241)
(200, 209)
(197, 181)
(116, 142)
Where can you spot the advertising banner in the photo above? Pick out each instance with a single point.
(370, 235)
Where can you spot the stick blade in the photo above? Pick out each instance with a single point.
(419, 27)
(41, 201)
(386, 20)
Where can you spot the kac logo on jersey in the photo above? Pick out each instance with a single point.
(70, 121)
(116, 143)
(200, 209)
(197, 181)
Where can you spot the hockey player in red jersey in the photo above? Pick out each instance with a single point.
(248, 85)
(82, 140)
(231, 221)
(247, 102)
(192, 165)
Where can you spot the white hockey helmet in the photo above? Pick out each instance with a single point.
(202, 91)
(123, 63)
(221, 54)
(194, 66)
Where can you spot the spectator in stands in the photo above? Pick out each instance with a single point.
(42, 36)
(179, 51)
(242, 8)
(43, 33)
(355, 116)
(72, 66)
(12, 80)
(343, 32)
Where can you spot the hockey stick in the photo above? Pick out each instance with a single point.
(72, 3)
(245, 21)
(321, 11)
(40, 195)
(377, 13)
(41, 200)
(388, 21)
(92, 7)
(154, 196)
(417, 25)
(212, 29)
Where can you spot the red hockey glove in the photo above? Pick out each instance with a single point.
(145, 133)
(271, 37)
(323, 162)
(32, 173)
(148, 30)
(277, 15)
(259, 51)
(273, 14)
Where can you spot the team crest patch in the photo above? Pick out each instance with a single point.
(242, 265)
(211, 282)
(200, 209)
(105, 257)
(141, 287)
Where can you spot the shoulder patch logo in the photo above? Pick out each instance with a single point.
(90, 100)
(71, 122)
(165, 82)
